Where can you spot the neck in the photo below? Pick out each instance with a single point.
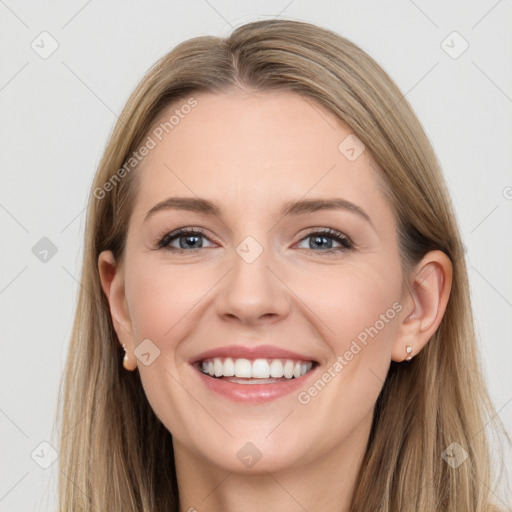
(326, 484)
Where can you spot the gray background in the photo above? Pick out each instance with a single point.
(56, 115)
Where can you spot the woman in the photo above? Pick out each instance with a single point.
(274, 311)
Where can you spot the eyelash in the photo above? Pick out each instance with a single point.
(345, 242)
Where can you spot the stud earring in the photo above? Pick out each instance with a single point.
(126, 360)
(408, 350)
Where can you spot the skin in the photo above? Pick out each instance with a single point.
(252, 152)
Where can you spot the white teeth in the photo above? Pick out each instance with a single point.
(276, 369)
(260, 369)
(217, 367)
(243, 368)
(288, 369)
(228, 368)
(255, 369)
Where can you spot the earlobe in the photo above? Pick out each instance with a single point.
(429, 291)
(112, 282)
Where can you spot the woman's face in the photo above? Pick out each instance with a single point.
(270, 281)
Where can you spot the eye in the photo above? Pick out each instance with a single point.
(323, 239)
(187, 240)
(190, 240)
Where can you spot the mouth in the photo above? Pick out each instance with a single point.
(253, 375)
(255, 371)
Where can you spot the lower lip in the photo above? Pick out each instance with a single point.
(254, 393)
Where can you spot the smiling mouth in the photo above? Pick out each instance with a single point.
(256, 371)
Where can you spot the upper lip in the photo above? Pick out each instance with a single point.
(253, 352)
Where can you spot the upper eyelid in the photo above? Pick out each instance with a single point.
(307, 232)
(172, 235)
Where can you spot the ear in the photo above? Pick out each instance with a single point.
(112, 282)
(424, 304)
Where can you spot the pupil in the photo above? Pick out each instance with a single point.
(188, 238)
(320, 239)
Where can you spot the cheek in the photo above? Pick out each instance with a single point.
(359, 311)
(359, 308)
(162, 303)
(363, 314)
(354, 304)
(160, 298)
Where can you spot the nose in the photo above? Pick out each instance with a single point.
(253, 292)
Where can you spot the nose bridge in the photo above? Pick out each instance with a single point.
(251, 291)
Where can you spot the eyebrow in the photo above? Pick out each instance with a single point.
(300, 207)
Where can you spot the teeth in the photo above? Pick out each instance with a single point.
(261, 369)
(228, 368)
(288, 369)
(242, 368)
(217, 367)
(276, 369)
(256, 369)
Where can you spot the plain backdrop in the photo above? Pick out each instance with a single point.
(57, 110)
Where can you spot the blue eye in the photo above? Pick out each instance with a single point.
(190, 241)
(323, 239)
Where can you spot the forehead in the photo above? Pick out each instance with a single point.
(254, 150)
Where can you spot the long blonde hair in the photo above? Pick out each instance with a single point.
(116, 455)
